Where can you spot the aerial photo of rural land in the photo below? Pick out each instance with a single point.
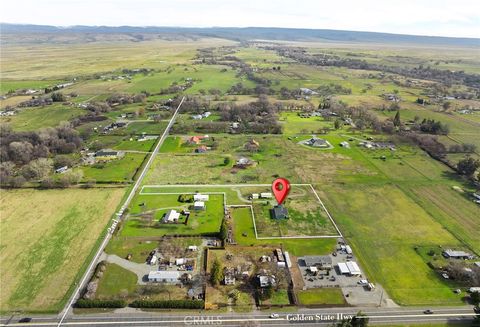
(285, 167)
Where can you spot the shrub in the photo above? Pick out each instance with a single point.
(168, 304)
(84, 303)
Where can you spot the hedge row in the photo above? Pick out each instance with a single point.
(84, 303)
(170, 304)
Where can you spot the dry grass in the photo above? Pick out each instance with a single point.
(46, 237)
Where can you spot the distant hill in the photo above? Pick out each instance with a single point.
(249, 33)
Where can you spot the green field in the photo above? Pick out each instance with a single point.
(321, 296)
(40, 267)
(368, 212)
(30, 119)
(116, 281)
(116, 170)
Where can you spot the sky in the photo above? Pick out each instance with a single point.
(457, 18)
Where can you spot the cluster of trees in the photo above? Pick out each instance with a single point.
(462, 148)
(456, 270)
(468, 166)
(122, 98)
(26, 156)
(216, 273)
(432, 126)
(168, 304)
(258, 117)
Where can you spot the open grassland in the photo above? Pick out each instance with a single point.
(68, 60)
(45, 244)
(304, 165)
(321, 296)
(115, 170)
(383, 226)
(116, 281)
(31, 119)
(7, 85)
(454, 210)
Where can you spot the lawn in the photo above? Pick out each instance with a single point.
(30, 119)
(245, 235)
(146, 220)
(116, 281)
(321, 296)
(135, 145)
(40, 266)
(383, 226)
(117, 170)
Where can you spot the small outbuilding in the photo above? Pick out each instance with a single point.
(199, 205)
(279, 212)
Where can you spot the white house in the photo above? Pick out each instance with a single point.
(192, 248)
(196, 117)
(200, 197)
(206, 114)
(164, 276)
(171, 216)
(199, 205)
(266, 195)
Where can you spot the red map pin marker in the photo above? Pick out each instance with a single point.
(280, 188)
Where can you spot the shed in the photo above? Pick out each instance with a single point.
(192, 248)
(164, 276)
(266, 195)
(199, 205)
(200, 197)
(342, 266)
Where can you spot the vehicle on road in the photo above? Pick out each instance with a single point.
(428, 312)
(274, 316)
(24, 320)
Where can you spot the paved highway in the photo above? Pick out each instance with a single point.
(324, 316)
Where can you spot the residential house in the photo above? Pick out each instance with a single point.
(201, 197)
(279, 212)
(318, 143)
(171, 216)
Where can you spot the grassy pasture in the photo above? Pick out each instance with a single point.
(321, 296)
(7, 85)
(304, 164)
(30, 119)
(40, 266)
(115, 281)
(383, 226)
(200, 222)
(54, 61)
(117, 170)
(243, 225)
(453, 210)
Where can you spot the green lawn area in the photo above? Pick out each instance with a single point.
(294, 124)
(122, 246)
(279, 297)
(321, 296)
(383, 226)
(137, 128)
(117, 170)
(116, 281)
(200, 222)
(30, 119)
(243, 225)
(135, 145)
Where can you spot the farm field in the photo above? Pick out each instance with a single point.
(64, 226)
(391, 259)
(36, 118)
